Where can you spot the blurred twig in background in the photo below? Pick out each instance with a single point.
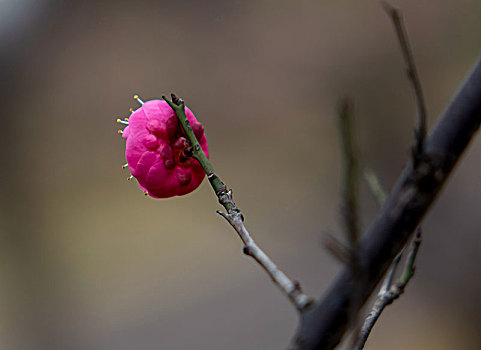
(348, 252)
(375, 186)
(350, 203)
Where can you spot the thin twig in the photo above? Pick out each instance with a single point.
(290, 288)
(389, 292)
(420, 131)
(351, 172)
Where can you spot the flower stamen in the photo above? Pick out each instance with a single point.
(120, 121)
(136, 97)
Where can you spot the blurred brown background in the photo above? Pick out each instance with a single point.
(88, 262)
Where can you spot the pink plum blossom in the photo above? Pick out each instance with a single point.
(156, 150)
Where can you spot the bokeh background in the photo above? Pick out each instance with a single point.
(88, 262)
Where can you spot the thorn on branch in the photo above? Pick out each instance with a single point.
(178, 101)
(221, 213)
